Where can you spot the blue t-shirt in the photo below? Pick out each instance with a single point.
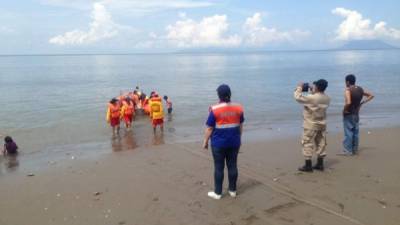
(226, 137)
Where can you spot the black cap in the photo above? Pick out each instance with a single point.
(321, 84)
(224, 92)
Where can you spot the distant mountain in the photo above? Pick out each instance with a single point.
(366, 45)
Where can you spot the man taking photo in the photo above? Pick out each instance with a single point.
(314, 134)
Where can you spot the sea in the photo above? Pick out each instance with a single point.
(54, 106)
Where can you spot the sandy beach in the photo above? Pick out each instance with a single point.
(168, 184)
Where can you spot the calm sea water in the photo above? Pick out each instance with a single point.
(58, 103)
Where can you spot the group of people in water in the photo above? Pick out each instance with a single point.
(127, 105)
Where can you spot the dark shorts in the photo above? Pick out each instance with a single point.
(169, 110)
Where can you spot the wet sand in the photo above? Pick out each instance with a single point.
(168, 184)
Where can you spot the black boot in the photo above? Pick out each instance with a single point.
(320, 164)
(307, 166)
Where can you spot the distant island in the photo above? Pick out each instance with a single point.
(366, 45)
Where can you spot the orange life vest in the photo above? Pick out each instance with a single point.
(129, 108)
(227, 115)
(115, 110)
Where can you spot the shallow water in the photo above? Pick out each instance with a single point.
(58, 103)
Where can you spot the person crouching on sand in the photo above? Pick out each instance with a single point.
(224, 128)
(314, 134)
(114, 115)
(10, 147)
(128, 112)
(156, 112)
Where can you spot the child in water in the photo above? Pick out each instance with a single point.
(10, 147)
(169, 104)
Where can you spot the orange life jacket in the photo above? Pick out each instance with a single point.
(129, 108)
(227, 115)
(115, 110)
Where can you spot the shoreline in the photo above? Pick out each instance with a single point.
(167, 184)
(131, 140)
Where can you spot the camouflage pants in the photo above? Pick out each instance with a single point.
(314, 142)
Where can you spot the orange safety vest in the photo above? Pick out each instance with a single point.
(115, 110)
(227, 115)
(129, 108)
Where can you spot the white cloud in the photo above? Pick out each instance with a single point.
(7, 30)
(255, 34)
(355, 27)
(102, 27)
(209, 32)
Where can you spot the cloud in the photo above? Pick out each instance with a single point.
(7, 30)
(355, 27)
(255, 34)
(209, 32)
(102, 27)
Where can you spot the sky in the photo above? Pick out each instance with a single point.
(148, 26)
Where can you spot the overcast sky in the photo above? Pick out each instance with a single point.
(128, 26)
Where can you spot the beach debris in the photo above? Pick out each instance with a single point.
(121, 222)
(275, 179)
(341, 206)
(30, 175)
(369, 132)
(58, 195)
(72, 157)
(155, 199)
(97, 193)
(45, 209)
(383, 203)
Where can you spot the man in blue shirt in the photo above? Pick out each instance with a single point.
(224, 128)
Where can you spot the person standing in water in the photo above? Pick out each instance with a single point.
(169, 104)
(224, 128)
(353, 101)
(114, 115)
(156, 112)
(128, 111)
